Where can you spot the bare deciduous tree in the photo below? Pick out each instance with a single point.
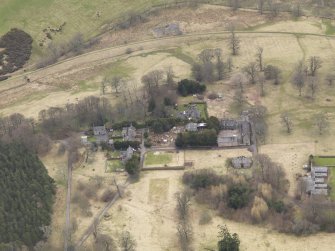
(251, 72)
(261, 6)
(287, 122)
(183, 205)
(298, 78)
(116, 83)
(261, 81)
(170, 76)
(259, 59)
(315, 63)
(234, 41)
(238, 81)
(330, 79)
(313, 85)
(321, 122)
(127, 242)
(229, 64)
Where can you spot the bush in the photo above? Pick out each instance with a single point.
(107, 195)
(161, 125)
(212, 96)
(201, 178)
(238, 196)
(133, 166)
(205, 218)
(272, 73)
(206, 137)
(18, 46)
(123, 145)
(278, 206)
(187, 87)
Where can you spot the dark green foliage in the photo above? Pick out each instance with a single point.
(151, 105)
(18, 45)
(187, 87)
(278, 206)
(147, 143)
(201, 178)
(120, 125)
(213, 123)
(228, 241)
(123, 145)
(272, 73)
(168, 101)
(238, 196)
(161, 125)
(26, 196)
(206, 137)
(133, 165)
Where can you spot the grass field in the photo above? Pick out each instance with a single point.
(324, 161)
(158, 158)
(86, 16)
(114, 165)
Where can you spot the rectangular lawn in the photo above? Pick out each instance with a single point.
(158, 158)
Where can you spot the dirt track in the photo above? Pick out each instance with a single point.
(104, 56)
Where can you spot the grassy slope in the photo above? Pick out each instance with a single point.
(80, 15)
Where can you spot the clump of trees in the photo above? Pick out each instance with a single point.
(26, 189)
(17, 46)
(123, 145)
(261, 197)
(187, 87)
(228, 241)
(210, 66)
(132, 166)
(206, 137)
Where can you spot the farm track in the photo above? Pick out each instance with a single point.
(97, 218)
(88, 60)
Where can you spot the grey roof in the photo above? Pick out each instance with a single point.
(129, 133)
(228, 124)
(319, 180)
(191, 127)
(99, 130)
(319, 169)
(320, 185)
(191, 112)
(320, 175)
(241, 162)
(319, 191)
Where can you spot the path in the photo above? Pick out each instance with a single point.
(88, 60)
(67, 233)
(98, 217)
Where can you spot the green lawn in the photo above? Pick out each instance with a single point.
(331, 183)
(113, 165)
(320, 161)
(153, 158)
(34, 16)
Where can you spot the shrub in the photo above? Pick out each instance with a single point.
(278, 206)
(187, 87)
(201, 178)
(238, 196)
(206, 137)
(212, 96)
(123, 145)
(133, 165)
(18, 46)
(259, 209)
(107, 195)
(205, 218)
